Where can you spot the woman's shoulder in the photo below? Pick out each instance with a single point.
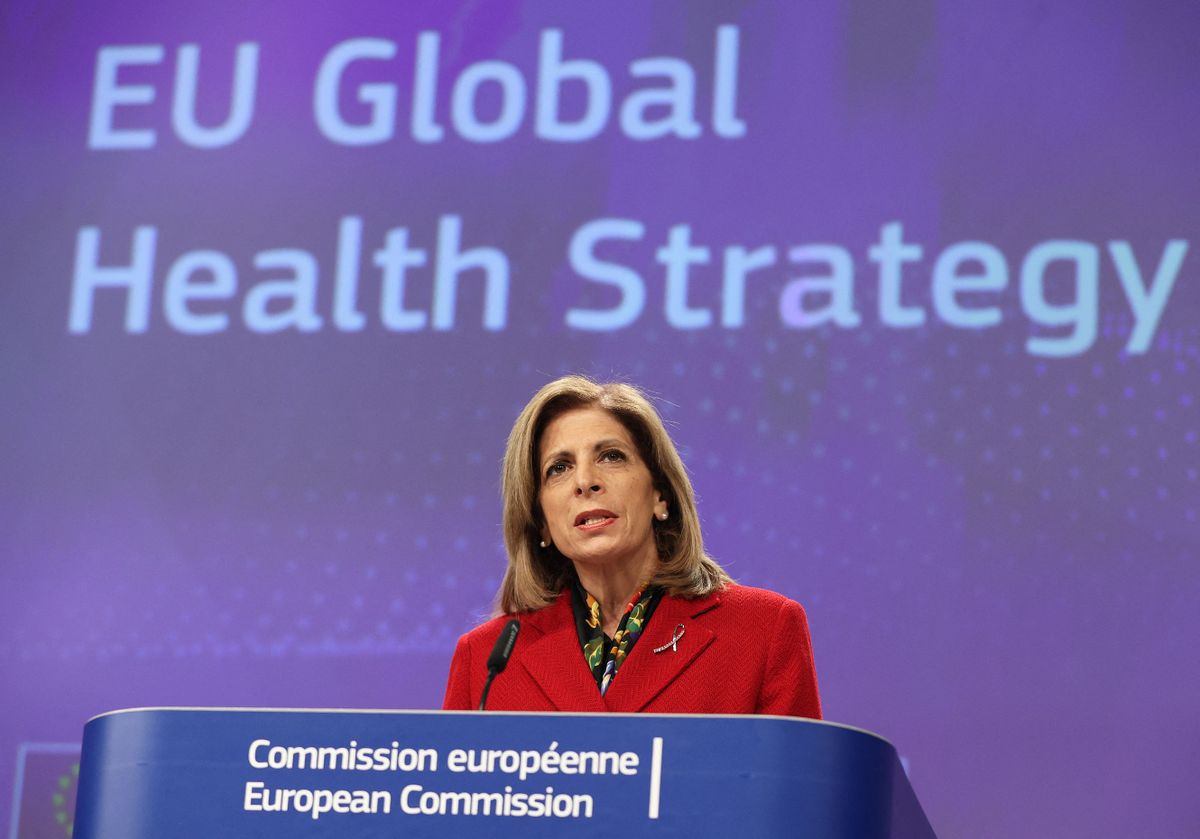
(487, 632)
(764, 620)
(739, 596)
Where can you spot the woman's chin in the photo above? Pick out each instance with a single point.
(603, 556)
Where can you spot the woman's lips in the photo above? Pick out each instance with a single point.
(594, 519)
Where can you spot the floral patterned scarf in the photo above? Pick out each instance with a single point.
(605, 655)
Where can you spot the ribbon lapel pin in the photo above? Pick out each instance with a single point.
(673, 644)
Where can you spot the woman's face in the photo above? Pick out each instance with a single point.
(596, 493)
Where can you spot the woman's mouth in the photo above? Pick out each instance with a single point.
(592, 519)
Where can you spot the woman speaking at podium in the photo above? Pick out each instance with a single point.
(609, 602)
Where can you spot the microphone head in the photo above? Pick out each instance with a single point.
(498, 660)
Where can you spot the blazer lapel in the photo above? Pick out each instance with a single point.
(645, 674)
(555, 662)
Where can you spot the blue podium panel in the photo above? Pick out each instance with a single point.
(175, 773)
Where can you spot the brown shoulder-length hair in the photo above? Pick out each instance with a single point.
(536, 575)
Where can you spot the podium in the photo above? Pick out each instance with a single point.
(195, 773)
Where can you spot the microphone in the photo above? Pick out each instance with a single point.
(498, 660)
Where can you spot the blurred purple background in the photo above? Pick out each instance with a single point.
(997, 547)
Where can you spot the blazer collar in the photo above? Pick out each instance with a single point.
(553, 660)
(645, 674)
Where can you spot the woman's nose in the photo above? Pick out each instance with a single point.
(586, 482)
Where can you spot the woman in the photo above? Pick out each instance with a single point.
(620, 608)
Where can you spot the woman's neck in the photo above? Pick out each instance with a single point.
(613, 587)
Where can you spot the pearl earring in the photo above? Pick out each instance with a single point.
(542, 543)
(662, 516)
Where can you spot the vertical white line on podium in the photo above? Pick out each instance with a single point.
(655, 775)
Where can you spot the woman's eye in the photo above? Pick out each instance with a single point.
(613, 455)
(556, 469)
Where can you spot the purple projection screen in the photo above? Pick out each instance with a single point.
(915, 285)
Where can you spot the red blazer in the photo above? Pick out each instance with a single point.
(741, 651)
